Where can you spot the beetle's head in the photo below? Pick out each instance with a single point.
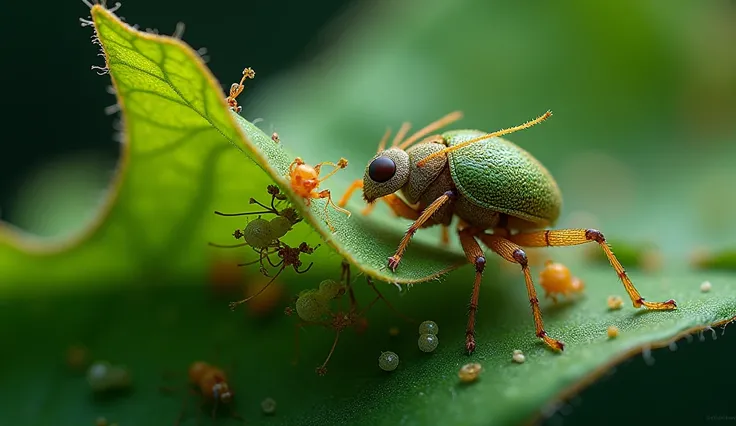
(386, 173)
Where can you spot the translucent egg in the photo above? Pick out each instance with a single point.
(429, 327)
(428, 342)
(388, 361)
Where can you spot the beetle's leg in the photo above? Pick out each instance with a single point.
(514, 253)
(400, 207)
(326, 194)
(475, 256)
(357, 184)
(394, 260)
(445, 235)
(572, 237)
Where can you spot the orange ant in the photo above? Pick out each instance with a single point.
(237, 88)
(556, 278)
(212, 384)
(305, 180)
(289, 257)
(353, 317)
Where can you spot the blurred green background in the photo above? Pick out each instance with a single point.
(644, 97)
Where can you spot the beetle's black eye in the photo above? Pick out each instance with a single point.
(382, 169)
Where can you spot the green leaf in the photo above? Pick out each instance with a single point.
(114, 289)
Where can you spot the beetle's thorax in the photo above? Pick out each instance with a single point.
(421, 178)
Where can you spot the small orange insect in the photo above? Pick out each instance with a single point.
(305, 180)
(213, 385)
(556, 278)
(237, 88)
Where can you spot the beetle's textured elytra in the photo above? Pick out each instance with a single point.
(498, 175)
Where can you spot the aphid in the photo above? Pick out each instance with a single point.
(237, 88)
(104, 377)
(330, 289)
(705, 286)
(469, 372)
(612, 331)
(493, 186)
(268, 300)
(268, 406)
(77, 357)
(556, 278)
(289, 257)
(280, 226)
(518, 357)
(310, 306)
(428, 342)
(388, 361)
(318, 312)
(615, 302)
(275, 137)
(259, 234)
(429, 327)
(305, 180)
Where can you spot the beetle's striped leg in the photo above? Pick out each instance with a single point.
(357, 184)
(513, 253)
(393, 261)
(572, 237)
(400, 207)
(475, 256)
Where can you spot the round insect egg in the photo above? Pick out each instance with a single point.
(329, 289)
(615, 302)
(705, 286)
(309, 306)
(388, 361)
(518, 357)
(429, 327)
(469, 372)
(268, 406)
(612, 331)
(279, 226)
(97, 375)
(428, 342)
(258, 233)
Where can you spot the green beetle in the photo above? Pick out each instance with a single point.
(503, 196)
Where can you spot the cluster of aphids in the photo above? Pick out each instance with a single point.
(333, 305)
(264, 237)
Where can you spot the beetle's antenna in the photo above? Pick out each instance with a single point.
(502, 132)
(384, 139)
(401, 133)
(442, 122)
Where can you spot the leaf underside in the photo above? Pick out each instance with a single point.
(186, 155)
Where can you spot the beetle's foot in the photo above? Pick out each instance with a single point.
(656, 306)
(321, 371)
(553, 344)
(469, 344)
(393, 262)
